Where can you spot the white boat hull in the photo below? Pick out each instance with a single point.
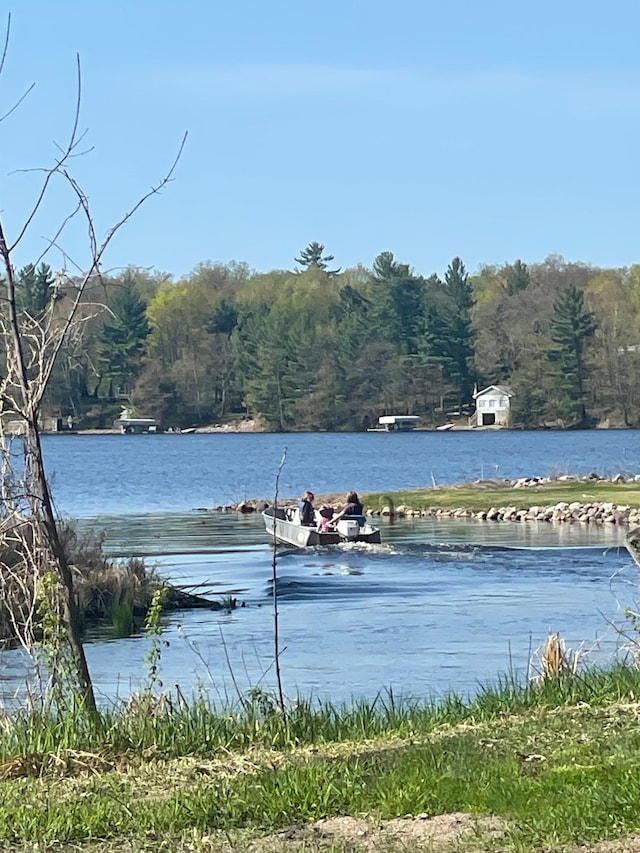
(287, 530)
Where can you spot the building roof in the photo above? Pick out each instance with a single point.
(500, 389)
(135, 421)
(394, 419)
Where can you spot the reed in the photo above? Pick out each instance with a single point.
(108, 592)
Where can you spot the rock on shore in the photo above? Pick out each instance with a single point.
(585, 513)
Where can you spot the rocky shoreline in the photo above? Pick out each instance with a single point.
(562, 512)
(588, 512)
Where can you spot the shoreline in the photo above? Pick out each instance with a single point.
(501, 501)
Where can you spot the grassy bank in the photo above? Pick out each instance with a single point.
(481, 496)
(545, 766)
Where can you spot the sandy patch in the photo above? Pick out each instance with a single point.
(400, 835)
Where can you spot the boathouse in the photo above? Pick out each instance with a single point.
(493, 407)
(397, 423)
(133, 426)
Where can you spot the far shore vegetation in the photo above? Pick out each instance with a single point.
(320, 348)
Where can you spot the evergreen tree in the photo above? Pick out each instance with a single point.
(313, 257)
(449, 334)
(398, 303)
(34, 289)
(461, 302)
(123, 337)
(572, 326)
(518, 278)
(270, 348)
(225, 318)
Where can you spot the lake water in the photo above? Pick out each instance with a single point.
(92, 475)
(439, 605)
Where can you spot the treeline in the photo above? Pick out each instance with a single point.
(316, 347)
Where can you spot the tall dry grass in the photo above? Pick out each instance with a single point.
(107, 592)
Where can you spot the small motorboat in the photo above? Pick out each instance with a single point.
(283, 524)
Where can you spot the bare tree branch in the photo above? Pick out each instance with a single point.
(33, 560)
(57, 167)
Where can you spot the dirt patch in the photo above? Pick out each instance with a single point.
(400, 835)
(631, 844)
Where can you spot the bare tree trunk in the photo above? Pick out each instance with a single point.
(51, 536)
(29, 528)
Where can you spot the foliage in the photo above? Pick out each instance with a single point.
(53, 651)
(124, 337)
(313, 257)
(518, 277)
(153, 630)
(460, 302)
(397, 303)
(327, 349)
(34, 289)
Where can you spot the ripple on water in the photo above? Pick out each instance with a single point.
(431, 608)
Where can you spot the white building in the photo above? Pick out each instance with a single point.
(493, 407)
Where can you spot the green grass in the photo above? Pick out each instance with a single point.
(200, 729)
(483, 496)
(559, 762)
(584, 786)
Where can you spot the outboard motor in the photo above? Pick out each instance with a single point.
(349, 528)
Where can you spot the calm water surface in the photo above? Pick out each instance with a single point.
(119, 474)
(438, 606)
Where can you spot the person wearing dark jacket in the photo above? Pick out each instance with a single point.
(353, 507)
(307, 515)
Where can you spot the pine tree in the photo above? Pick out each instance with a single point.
(449, 334)
(398, 303)
(572, 326)
(34, 289)
(123, 337)
(313, 257)
(518, 278)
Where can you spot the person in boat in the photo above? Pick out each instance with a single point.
(307, 514)
(353, 508)
(326, 514)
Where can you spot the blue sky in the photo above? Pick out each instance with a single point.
(490, 130)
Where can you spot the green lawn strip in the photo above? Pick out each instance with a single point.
(563, 776)
(484, 496)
